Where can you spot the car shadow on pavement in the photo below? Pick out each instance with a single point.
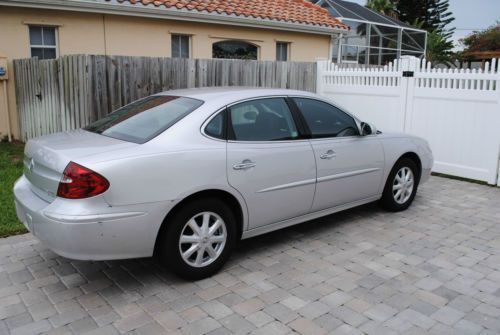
(138, 274)
(148, 274)
(307, 230)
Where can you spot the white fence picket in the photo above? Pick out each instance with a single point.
(457, 111)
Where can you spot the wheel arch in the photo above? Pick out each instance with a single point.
(415, 158)
(230, 199)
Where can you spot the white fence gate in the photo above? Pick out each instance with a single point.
(457, 111)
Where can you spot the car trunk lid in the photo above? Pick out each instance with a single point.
(46, 157)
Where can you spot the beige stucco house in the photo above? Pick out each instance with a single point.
(288, 30)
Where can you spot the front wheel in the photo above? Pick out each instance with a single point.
(199, 238)
(401, 185)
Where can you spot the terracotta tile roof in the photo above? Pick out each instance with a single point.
(291, 11)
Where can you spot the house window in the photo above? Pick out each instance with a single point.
(234, 50)
(43, 42)
(282, 51)
(180, 46)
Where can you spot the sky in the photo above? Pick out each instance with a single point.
(470, 15)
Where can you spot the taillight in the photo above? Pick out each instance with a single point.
(78, 182)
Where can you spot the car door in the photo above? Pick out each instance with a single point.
(268, 162)
(349, 166)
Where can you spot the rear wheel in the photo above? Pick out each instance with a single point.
(199, 238)
(401, 185)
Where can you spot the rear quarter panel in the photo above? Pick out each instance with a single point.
(174, 165)
(165, 174)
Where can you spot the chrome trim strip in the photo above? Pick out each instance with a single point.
(257, 97)
(290, 185)
(91, 217)
(318, 180)
(346, 174)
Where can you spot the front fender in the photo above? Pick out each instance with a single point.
(396, 146)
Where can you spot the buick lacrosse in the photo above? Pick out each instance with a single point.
(185, 174)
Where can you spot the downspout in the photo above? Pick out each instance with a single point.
(104, 32)
(330, 53)
(339, 54)
(6, 105)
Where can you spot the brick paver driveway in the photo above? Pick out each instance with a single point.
(432, 269)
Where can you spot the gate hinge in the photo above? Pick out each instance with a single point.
(408, 73)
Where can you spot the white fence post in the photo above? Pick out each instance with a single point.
(409, 65)
(321, 64)
(495, 68)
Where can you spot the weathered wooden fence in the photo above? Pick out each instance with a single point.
(72, 91)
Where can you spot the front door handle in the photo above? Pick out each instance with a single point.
(328, 155)
(246, 164)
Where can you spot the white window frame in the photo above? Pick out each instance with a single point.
(42, 46)
(172, 35)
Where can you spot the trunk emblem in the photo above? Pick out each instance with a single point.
(31, 165)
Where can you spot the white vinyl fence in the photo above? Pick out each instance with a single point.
(457, 111)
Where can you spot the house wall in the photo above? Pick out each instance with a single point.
(89, 33)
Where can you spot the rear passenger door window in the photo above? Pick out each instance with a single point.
(325, 120)
(262, 120)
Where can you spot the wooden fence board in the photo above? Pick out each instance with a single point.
(70, 94)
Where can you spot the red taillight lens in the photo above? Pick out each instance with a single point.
(78, 182)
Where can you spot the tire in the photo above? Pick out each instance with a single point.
(215, 249)
(391, 199)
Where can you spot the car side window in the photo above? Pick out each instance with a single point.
(262, 120)
(325, 120)
(215, 128)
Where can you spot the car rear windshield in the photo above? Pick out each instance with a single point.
(144, 119)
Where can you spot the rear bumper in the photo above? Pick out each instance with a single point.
(89, 229)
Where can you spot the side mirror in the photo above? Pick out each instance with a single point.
(367, 129)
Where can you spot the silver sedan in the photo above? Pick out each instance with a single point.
(186, 174)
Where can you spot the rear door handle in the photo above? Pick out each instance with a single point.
(246, 164)
(328, 155)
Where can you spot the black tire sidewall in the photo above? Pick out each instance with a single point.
(170, 253)
(388, 200)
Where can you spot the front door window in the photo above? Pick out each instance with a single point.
(325, 120)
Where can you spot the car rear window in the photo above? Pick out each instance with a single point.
(144, 119)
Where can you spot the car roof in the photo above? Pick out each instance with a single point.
(227, 95)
